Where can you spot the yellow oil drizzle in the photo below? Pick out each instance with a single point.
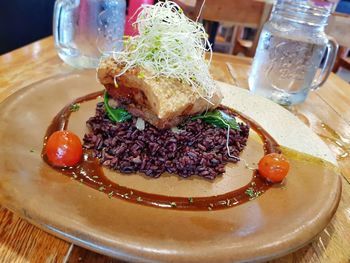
(304, 157)
(300, 156)
(342, 144)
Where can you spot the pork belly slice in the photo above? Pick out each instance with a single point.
(163, 102)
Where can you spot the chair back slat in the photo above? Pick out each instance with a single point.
(240, 12)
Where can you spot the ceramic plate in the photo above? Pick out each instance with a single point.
(280, 221)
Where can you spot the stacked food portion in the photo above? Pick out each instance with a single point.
(162, 101)
(161, 110)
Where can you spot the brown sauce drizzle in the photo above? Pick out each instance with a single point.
(90, 173)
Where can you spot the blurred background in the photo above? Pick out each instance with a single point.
(233, 26)
(22, 22)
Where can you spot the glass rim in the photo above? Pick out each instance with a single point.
(301, 12)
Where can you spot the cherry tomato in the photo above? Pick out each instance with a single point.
(273, 167)
(63, 148)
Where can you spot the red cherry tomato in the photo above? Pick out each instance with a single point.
(63, 148)
(273, 167)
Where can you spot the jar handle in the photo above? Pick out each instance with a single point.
(332, 50)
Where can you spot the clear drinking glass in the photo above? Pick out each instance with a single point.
(84, 30)
(292, 44)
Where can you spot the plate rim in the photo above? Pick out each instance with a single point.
(121, 255)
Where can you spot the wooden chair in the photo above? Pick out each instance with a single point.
(342, 60)
(339, 28)
(240, 13)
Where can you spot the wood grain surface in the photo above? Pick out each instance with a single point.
(326, 111)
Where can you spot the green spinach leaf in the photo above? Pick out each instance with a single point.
(116, 115)
(219, 119)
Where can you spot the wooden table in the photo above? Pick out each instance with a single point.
(326, 111)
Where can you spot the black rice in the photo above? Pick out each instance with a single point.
(197, 149)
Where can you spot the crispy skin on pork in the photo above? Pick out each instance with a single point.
(164, 102)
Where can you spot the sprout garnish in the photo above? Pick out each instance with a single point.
(169, 44)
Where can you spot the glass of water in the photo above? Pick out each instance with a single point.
(291, 49)
(84, 30)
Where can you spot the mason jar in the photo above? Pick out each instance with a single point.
(84, 30)
(294, 55)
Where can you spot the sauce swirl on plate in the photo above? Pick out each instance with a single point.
(90, 173)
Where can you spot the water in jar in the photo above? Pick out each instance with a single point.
(284, 67)
(86, 29)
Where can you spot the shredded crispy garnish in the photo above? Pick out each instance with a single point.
(169, 44)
